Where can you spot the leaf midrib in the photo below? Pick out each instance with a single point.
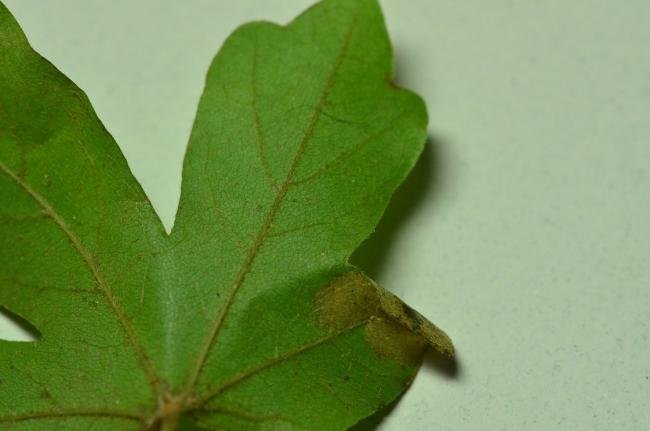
(270, 217)
(124, 322)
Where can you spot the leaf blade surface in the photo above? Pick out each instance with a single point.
(248, 315)
(63, 250)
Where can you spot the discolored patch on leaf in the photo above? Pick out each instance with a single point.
(415, 322)
(391, 340)
(392, 328)
(348, 300)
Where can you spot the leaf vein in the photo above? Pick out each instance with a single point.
(252, 418)
(268, 221)
(258, 124)
(246, 374)
(70, 414)
(350, 151)
(89, 260)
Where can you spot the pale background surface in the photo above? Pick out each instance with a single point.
(525, 232)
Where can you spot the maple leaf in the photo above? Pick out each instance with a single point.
(248, 314)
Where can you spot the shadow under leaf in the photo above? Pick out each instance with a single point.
(421, 184)
(31, 333)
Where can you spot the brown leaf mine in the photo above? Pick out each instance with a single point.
(392, 328)
(415, 322)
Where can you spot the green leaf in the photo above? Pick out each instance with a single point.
(248, 315)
